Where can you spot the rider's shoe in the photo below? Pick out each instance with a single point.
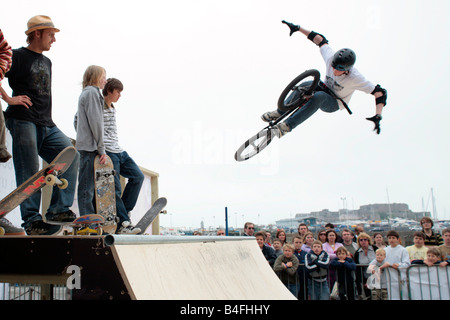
(10, 229)
(40, 228)
(4, 155)
(270, 116)
(128, 228)
(281, 129)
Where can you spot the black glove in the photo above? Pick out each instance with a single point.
(293, 27)
(376, 119)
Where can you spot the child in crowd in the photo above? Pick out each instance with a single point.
(432, 239)
(268, 238)
(301, 275)
(277, 246)
(433, 257)
(418, 251)
(268, 252)
(345, 274)
(286, 267)
(316, 263)
(377, 282)
(396, 255)
(307, 241)
(89, 127)
(445, 248)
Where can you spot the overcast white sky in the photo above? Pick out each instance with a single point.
(198, 74)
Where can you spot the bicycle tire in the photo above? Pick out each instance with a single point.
(256, 144)
(296, 98)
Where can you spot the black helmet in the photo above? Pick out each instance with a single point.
(344, 59)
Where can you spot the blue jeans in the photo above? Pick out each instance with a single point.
(318, 290)
(31, 141)
(125, 166)
(292, 288)
(86, 185)
(320, 100)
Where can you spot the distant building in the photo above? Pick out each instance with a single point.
(374, 212)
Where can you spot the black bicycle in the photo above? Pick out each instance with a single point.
(293, 97)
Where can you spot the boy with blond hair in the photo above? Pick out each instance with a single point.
(286, 267)
(377, 281)
(89, 127)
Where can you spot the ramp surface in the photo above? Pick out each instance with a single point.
(195, 268)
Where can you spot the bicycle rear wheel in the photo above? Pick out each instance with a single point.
(254, 145)
(303, 85)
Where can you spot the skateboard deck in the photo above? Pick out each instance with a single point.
(46, 176)
(90, 224)
(105, 196)
(151, 214)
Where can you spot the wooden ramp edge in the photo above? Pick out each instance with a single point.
(195, 268)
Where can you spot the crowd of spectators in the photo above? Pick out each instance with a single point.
(350, 264)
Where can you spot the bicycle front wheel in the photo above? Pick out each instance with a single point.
(254, 145)
(303, 85)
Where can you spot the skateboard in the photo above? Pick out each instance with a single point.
(151, 214)
(90, 224)
(105, 194)
(46, 176)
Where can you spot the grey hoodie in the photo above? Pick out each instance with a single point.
(89, 121)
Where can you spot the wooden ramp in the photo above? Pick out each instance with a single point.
(195, 268)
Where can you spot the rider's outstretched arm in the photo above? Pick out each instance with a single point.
(315, 37)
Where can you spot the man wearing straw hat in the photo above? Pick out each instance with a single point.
(34, 134)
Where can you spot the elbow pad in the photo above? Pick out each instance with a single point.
(383, 98)
(312, 35)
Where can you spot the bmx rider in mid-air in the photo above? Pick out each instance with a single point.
(342, 79)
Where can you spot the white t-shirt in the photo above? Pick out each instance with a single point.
(343, 86)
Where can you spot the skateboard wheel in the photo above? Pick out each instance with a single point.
(50, 180)
(64, 184)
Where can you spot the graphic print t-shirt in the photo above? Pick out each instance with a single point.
(31, 75)
(343, 86)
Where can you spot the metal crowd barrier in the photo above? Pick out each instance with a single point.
(22, 291)
(417, 282)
